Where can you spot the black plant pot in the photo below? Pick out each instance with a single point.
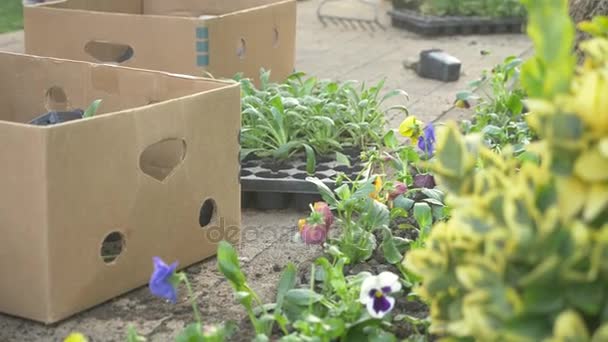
(53, 118)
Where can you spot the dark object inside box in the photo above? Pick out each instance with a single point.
(52, 118)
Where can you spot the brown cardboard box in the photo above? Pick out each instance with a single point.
(67, 187)
(221, 37)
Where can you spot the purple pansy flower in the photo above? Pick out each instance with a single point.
(427, 141)
(375, 292)
(161, 282)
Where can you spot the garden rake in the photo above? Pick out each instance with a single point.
(351, 22)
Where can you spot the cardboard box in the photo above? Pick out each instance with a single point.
(136, 180)
(221, 37)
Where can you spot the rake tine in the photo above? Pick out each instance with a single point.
(322, 20)
(362, 25)
(353, 24)
(343, 23)
(372, 26)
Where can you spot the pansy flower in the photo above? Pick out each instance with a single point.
(377, 188)
(375, 292)
(162, 281)
(411, 128)
(427, 141)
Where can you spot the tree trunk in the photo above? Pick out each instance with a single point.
(582, 10)
(586, 9)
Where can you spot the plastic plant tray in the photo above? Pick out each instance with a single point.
(267, 185)
(453, 25)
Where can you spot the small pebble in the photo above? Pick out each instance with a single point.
(276, 268)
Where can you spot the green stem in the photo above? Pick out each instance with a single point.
(192, 299)
(255, 297)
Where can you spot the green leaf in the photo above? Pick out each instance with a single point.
(302, 297)
(393, 93)
(433, 202)
(433, 193)
(376, 215)
(382, 336)
(287, 282)
(423, 215)
(464, 95)
(192, 333)
(403, 202)
(325, 192)
(542, 300)
(529, 157)
(586, 297)
(261, 338)
(515, 104)
(133, 336)
(228, 264)
(336, 325)
(451, 153)
(364, 190)
(591, 166)
(92, 109)
(390, 251)
(247, 151)
(601, 334)
(566, 127)
(342, 159)
(343, 192)
(259, 310)
(492, 131)
(570, 326)
(390, 139)
(399, 213)
(598, 26)
(552, 31)
(311, 161)
(243, 297)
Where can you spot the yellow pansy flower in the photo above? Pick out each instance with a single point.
(411, 128)
(377, 188)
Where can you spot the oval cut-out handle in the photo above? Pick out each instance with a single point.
(159, 160)
(108, 52)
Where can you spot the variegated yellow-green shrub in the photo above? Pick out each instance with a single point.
(524, 256)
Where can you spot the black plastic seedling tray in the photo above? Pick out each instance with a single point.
(267, 185)
(53, 118)
(453, 25)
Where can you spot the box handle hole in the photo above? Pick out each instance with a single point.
(159, 160)
(107, 52)
(56, 100)
(275, 37)
(207, 213)
(112, 246)
(241, 49)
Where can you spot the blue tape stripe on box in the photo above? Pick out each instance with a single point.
(202, 46)
(202, 33)
(202, 60)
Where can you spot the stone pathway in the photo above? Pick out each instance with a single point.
(326, 52)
